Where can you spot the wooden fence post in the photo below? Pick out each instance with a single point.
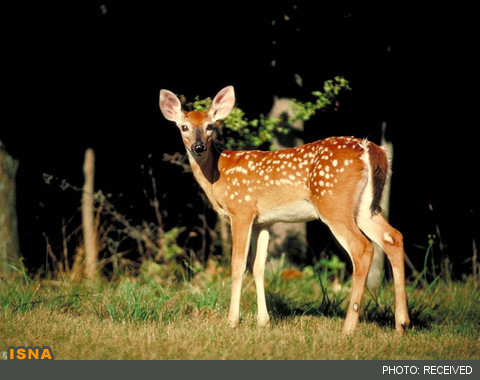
(88, 218)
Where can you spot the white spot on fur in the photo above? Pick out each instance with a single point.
(387, 238)
(236, 169)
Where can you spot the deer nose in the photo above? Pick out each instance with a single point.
(199, 147)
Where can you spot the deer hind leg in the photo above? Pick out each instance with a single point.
(260, 237)
(360, 251)
(241, 233)
(379, 231)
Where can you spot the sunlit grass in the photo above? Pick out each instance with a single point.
(147, 318)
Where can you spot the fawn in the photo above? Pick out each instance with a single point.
(338, 180)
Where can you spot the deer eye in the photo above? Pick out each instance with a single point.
(210, 127)
(184, 128)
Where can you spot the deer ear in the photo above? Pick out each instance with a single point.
(170, 106)
(222, 104)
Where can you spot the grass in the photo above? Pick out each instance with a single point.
(147, 317)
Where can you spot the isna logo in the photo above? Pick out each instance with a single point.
(29, 353)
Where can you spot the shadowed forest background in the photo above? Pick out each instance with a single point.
(88, 74)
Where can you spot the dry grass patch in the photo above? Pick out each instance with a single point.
(142, 319)
(206, 336)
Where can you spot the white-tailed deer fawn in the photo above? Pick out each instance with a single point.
(338, 180)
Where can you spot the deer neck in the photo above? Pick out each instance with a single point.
(205, 170)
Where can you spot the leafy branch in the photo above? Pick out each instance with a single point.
(250, 134)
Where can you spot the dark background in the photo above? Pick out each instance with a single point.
(87, 74)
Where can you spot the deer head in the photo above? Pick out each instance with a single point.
(196, 127)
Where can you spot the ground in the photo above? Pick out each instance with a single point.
(147, 318)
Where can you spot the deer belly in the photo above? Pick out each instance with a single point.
(298, 211)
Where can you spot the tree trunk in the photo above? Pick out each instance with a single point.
(88, 218)
(9, 246)
(287, 238)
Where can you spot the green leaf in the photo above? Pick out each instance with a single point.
(249, 134)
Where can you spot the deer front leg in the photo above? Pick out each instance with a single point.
(241, 232)
(260, 245)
